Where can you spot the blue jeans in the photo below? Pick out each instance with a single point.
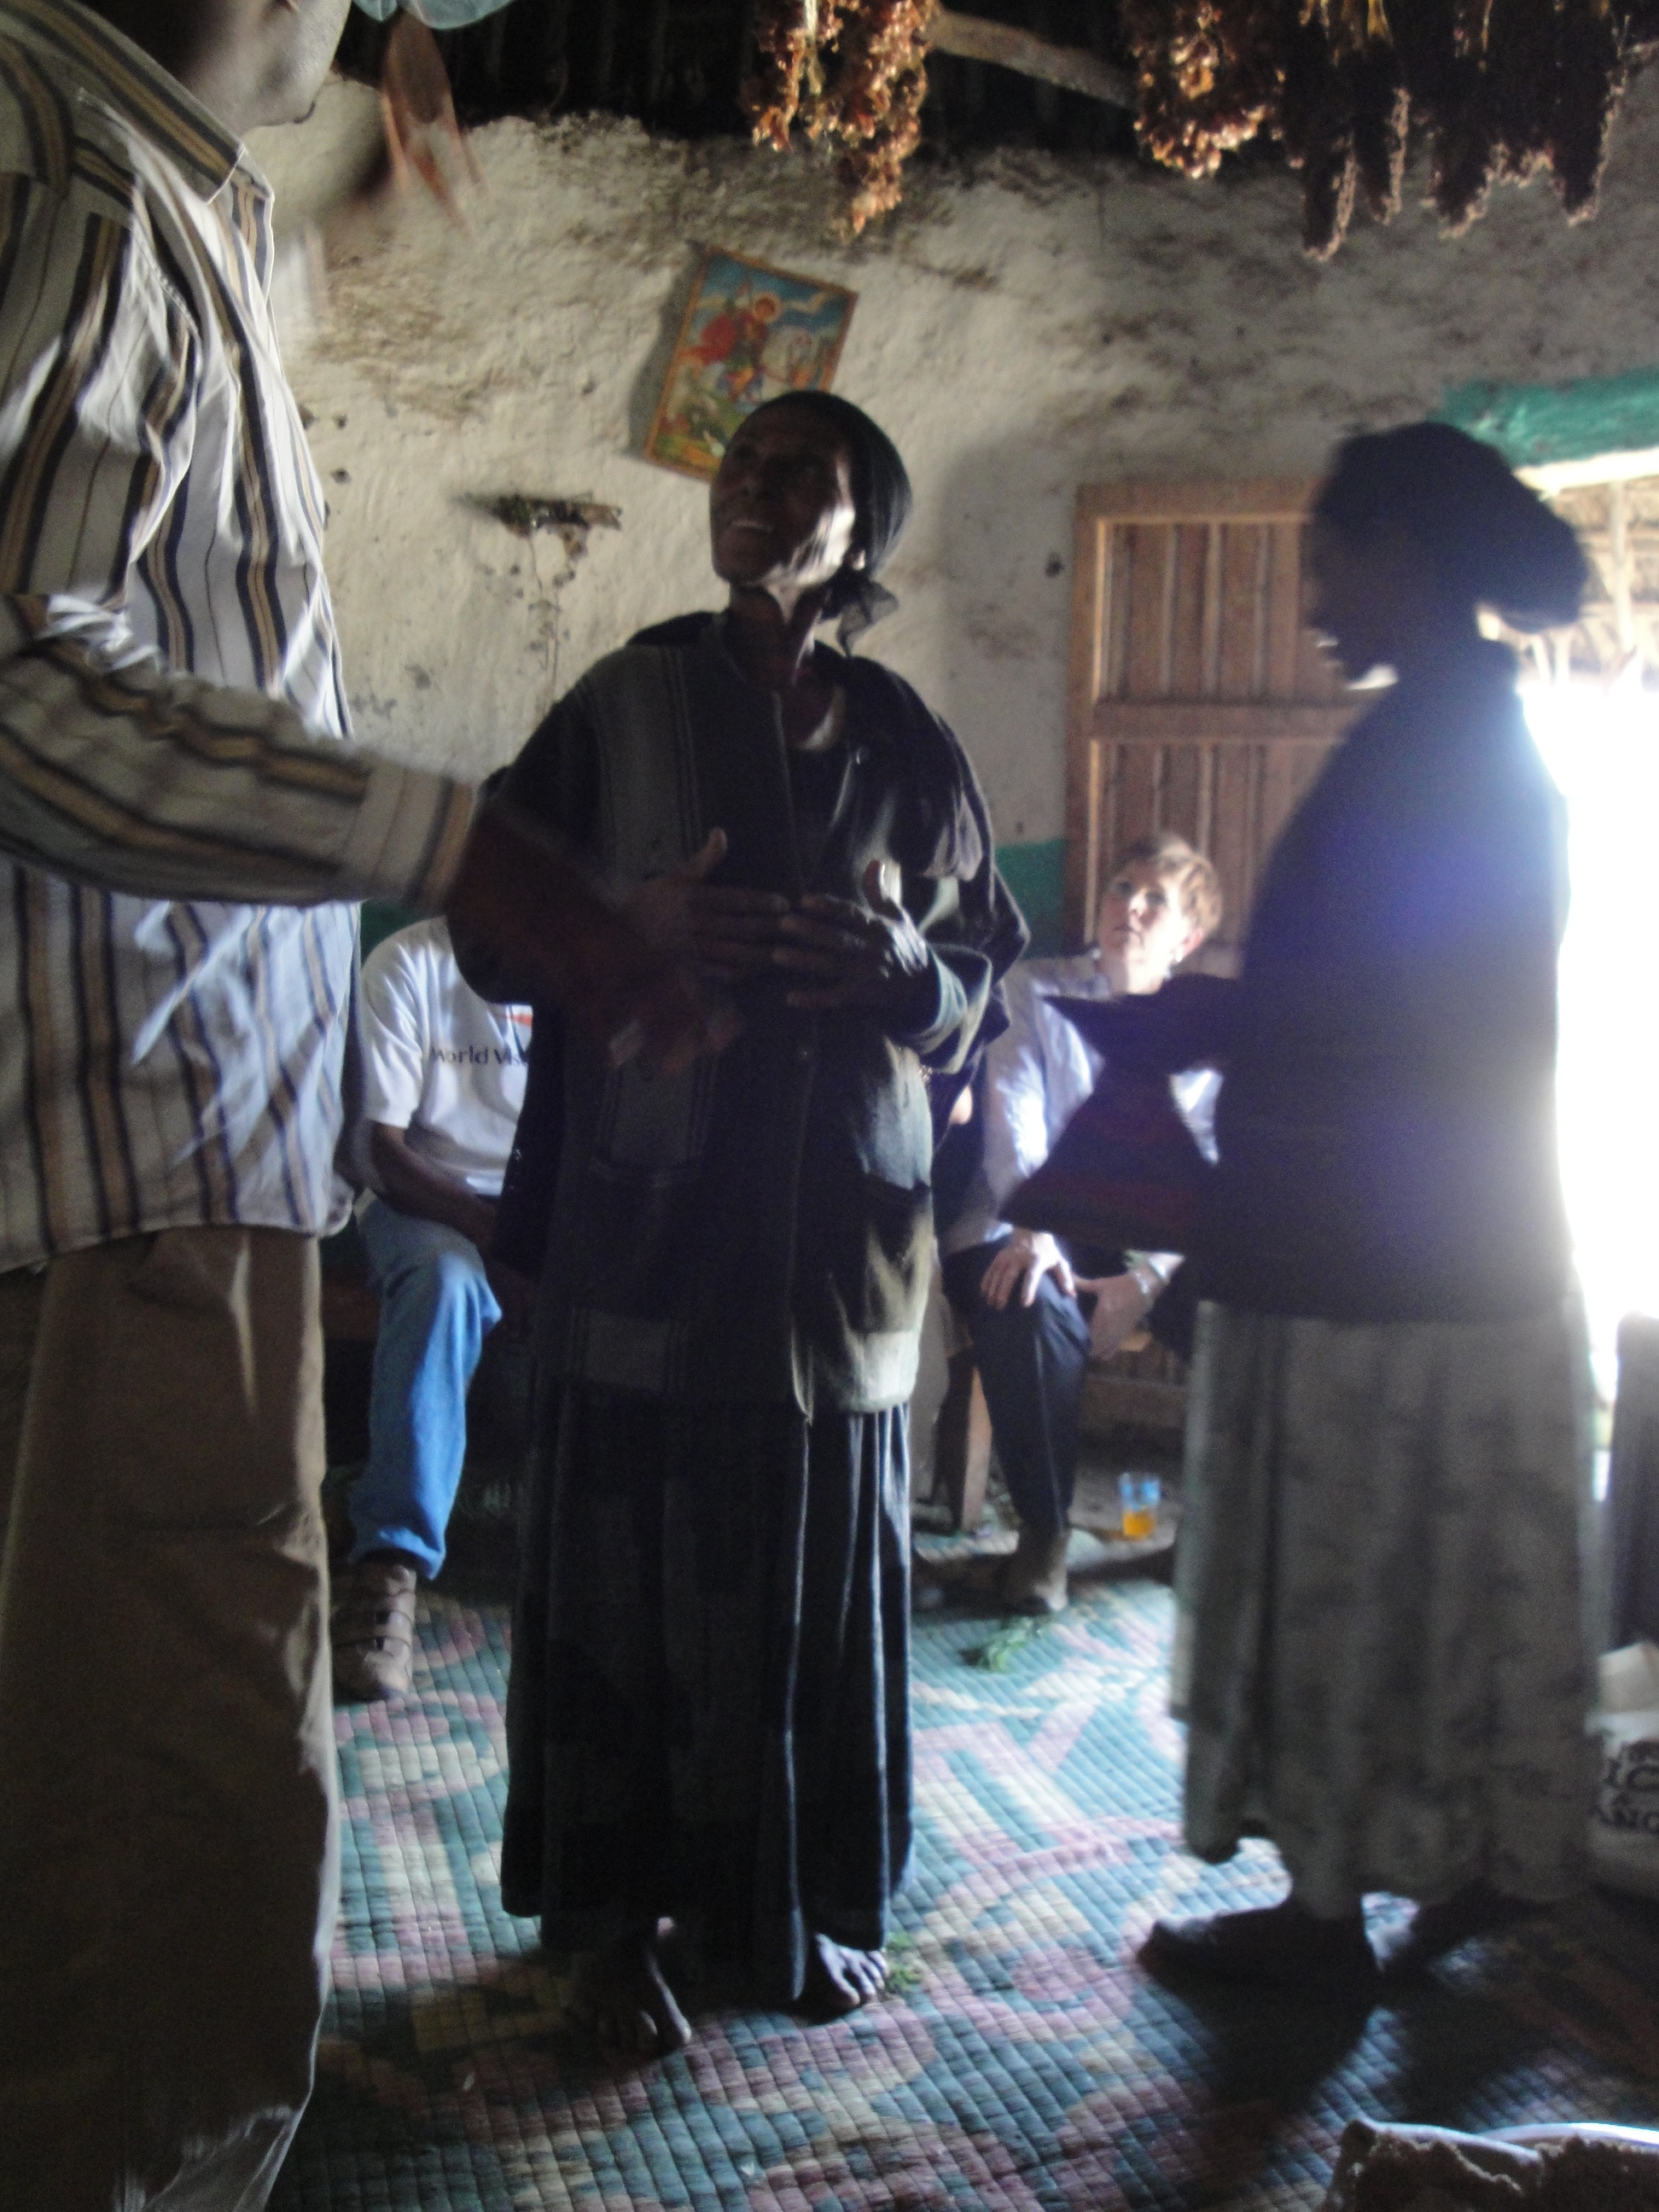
(437, 1308)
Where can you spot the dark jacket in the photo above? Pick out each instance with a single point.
(1386, 1127)
(757, 1227)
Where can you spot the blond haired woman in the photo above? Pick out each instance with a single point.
(1039, 1309)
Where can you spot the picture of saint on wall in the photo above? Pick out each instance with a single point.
(750, 333)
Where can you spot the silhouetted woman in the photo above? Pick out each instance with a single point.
(1381, 1655)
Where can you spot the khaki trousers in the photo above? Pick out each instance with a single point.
(168, 1859)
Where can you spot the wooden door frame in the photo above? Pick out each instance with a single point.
(1276, 711)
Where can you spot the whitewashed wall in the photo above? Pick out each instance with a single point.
(1020, 328)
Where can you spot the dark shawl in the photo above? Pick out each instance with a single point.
(784, 1216)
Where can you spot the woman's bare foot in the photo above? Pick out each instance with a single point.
(1033, 1577)
(621, 1994)
(840, 1980)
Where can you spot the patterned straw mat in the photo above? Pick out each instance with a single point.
(1025, 2060)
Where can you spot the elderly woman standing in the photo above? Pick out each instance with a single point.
(709, 1715)
(1380, 1653)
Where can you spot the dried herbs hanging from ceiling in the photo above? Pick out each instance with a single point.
(1499, 90)
(852, 71)
(1209, 74)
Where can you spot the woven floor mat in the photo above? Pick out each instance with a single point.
(1025, 2060)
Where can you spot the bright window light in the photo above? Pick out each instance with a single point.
(1601, 746)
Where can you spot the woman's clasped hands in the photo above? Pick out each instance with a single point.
(838, 952)
(726, 934)
(871, 955)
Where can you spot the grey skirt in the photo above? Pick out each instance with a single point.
(1382, 1651)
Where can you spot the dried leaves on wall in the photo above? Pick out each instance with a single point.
(1498, 90)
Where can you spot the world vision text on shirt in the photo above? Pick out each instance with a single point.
(439, 1062)
(498, 1055)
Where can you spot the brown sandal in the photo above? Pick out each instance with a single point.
(372, 1631)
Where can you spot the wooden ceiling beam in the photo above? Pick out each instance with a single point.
(1073, 69)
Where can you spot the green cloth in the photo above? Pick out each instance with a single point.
(379, 919)
(1036, 875)
(1534, 424)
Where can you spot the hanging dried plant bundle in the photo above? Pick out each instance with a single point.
(1382, 115)
(853, 71)
(1589, 83)
(1314, 121)
(786, 39)
(1499, 90)
(871, 100)
(1209, 74)
(1520, 55)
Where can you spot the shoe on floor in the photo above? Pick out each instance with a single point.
(372, 1631)
(1434, 1930)
(1032, 1579)
(1284, 1946)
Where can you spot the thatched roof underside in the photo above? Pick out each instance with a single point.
(680, 66)
(1493, 90)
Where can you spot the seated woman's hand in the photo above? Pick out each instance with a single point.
(847, 955)
(726, 932)
(1121, 1306)
(1020, 1264)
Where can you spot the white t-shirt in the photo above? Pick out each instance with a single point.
(438, 1059)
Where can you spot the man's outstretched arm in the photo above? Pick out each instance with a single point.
(116, 770)
(120, 771)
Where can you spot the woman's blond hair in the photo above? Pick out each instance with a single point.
(1196, 882)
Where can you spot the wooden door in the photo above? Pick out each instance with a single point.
(1199, 700)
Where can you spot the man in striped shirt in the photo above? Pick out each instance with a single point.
(181, 836)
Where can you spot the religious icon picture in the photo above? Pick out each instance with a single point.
(750, 333)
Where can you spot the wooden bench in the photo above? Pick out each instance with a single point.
(350, 1310)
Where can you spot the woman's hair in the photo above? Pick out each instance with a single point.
(1196, 882)
(881, 486)
(1492, 540)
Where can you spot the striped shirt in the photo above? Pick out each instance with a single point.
(171, 701)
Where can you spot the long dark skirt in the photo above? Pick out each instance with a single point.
(708, 1714)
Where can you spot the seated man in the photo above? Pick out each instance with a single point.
(443, 1082)
(1037, 1310)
